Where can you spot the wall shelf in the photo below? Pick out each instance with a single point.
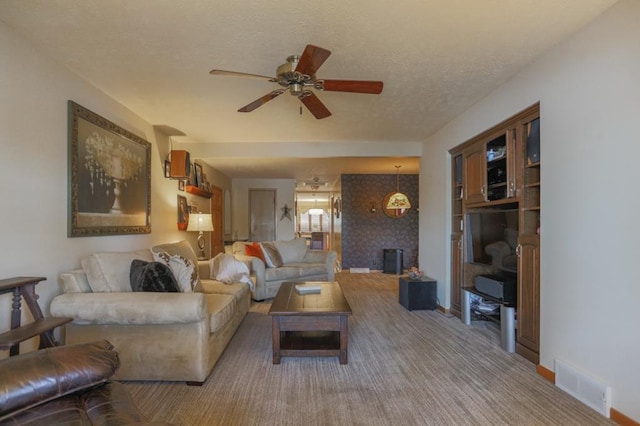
(197, 191)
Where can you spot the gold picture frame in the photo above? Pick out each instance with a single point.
(109, 181)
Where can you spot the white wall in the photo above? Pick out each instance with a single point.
(285, 194)
(589, 92)
(33, 172)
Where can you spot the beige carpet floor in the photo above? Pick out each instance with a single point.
(405, 368)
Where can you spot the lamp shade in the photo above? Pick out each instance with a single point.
(200, 222)
(398, 201)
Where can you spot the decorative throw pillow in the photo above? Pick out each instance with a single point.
(227, 269)
(254, 250)
(181, 248)
(152, 276)
(184, 271)
(271, 255)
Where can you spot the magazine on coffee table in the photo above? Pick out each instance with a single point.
(308, 289)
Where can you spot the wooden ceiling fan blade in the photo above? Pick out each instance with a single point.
(313, 104)
(261, 101)
(240, 74)
(354, 86)
(311, 59)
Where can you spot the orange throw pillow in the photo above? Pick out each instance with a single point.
(255, 250)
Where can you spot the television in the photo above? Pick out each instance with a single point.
(491, 236)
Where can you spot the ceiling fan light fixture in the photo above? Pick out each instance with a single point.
(298, 74)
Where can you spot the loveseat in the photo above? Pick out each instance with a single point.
(294, 261)
(65, 385)
(173, 336)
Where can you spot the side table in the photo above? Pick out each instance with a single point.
(417, 294)
(24, 287)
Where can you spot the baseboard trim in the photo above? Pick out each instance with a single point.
(443, 310)
(614, 414)
(546, 373)
(621, 419)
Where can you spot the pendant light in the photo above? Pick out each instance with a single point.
(398, 200)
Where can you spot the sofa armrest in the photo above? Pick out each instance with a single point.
(328, 257)
(40, 376)
(204, 269)
(255, 264)
(134, 308)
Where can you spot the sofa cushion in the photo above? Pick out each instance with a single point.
(281, 273)
(237, 290)
(40, 376)
(109, 271)
(75, 282)
(152, 276)
(291, 251)
(254, 250)
(221, 310)
(271, 255)
(307, 269)
(238, 247)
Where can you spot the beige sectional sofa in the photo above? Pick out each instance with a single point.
(158, 336)
(299, 263)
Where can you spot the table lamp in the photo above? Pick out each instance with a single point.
(200, 222)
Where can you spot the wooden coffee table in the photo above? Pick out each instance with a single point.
(310, 324)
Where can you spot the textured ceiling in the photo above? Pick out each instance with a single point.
(435, 57)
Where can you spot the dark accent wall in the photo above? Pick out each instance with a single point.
(364, 234)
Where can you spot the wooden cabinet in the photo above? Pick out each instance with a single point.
(500, 153)
(474, 175)
(500, 172)
(456, 273)
(528, 251)
(490, 168)
(528, 332)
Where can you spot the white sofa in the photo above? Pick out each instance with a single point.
(158, 336)
(299, 263)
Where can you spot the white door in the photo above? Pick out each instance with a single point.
(262, 214)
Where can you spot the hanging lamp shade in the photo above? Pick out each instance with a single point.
(398, 200)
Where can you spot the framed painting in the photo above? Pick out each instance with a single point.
(183, 213)
(198, 172)
(109, 181)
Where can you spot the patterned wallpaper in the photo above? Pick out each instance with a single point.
(364, 234)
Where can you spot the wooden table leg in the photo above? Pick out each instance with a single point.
(275, 331)
(344, 339)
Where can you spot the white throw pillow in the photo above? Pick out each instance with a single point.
(227, 269)
(183, 269)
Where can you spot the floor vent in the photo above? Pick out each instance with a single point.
(584, 388)
(359, 270)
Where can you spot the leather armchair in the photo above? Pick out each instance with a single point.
(65, 385)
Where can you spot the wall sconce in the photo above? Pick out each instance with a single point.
(373, 208)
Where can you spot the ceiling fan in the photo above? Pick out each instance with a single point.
(298, 75)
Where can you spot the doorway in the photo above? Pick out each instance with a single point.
(262, 214)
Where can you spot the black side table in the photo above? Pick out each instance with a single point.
(417, 294)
